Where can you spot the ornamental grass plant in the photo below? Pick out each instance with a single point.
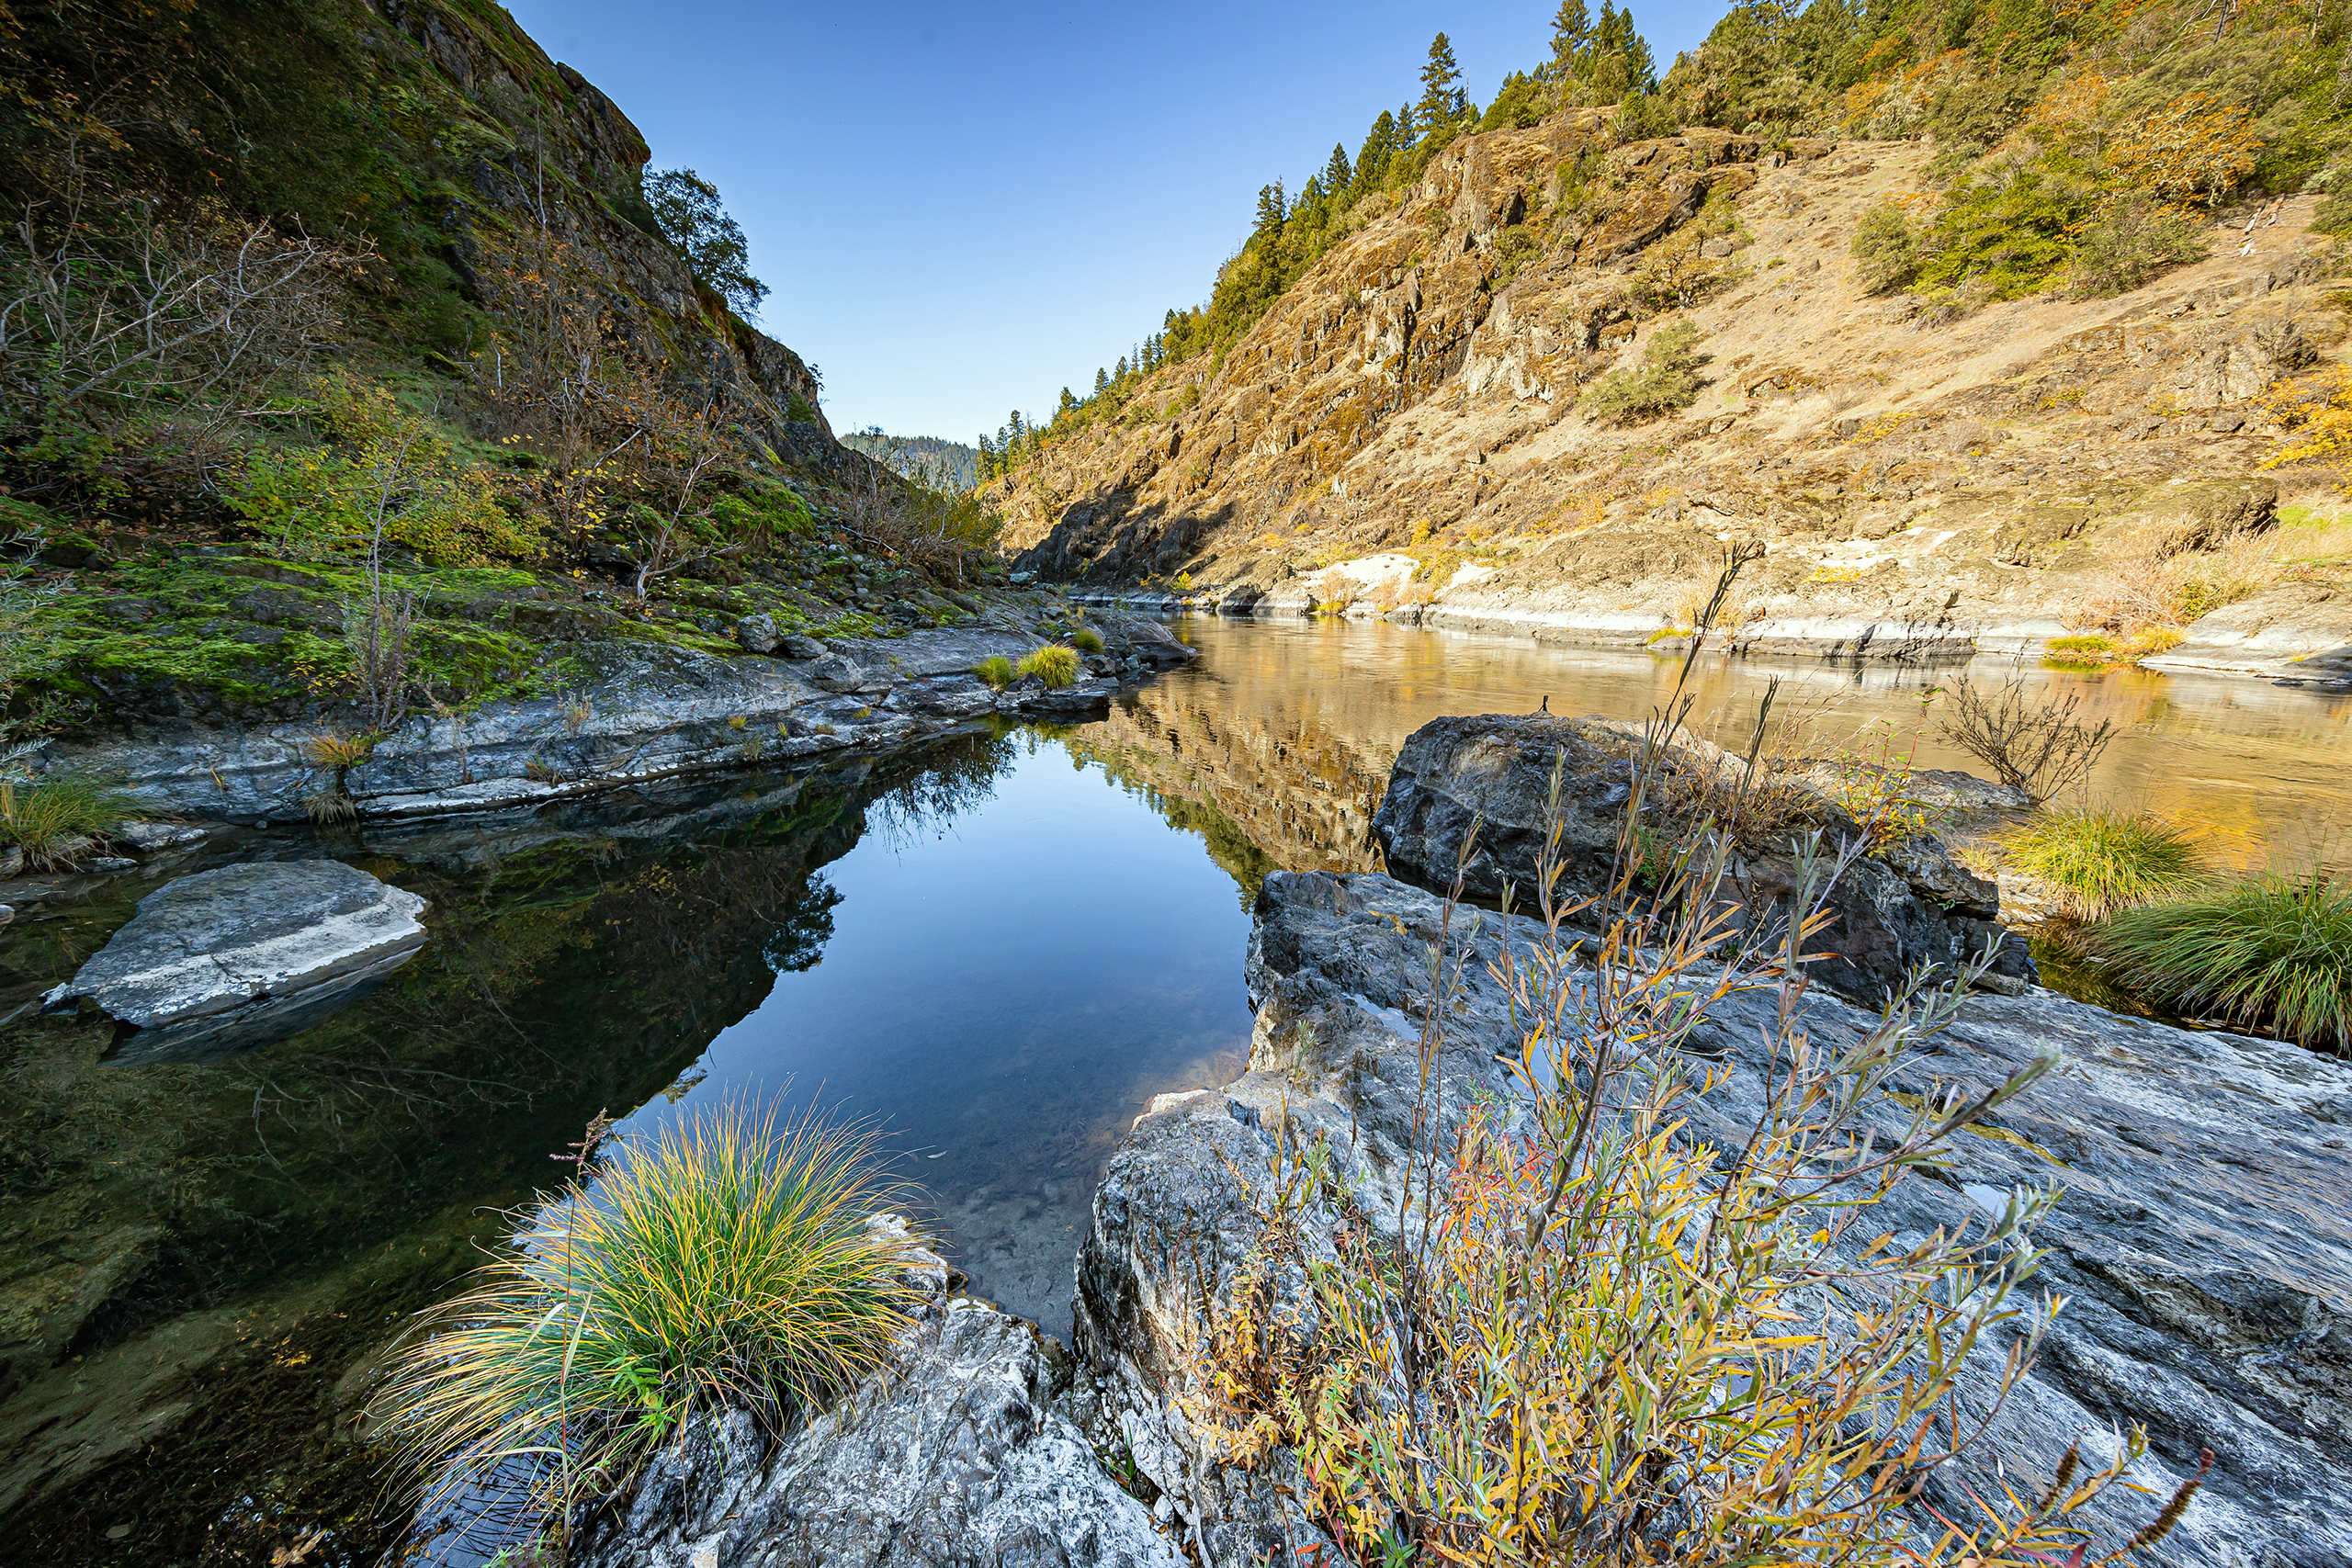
(1053, 664)
(2101, 859)
(47, 815)
(1578, 1331)
(722, 1262)
(995, 671)
(2270, 952)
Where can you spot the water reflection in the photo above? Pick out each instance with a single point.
(1288, 728)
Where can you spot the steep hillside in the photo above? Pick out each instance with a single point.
(356, 367)
(1431, 423)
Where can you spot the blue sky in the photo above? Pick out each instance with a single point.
(962, 209)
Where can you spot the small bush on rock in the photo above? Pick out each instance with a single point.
(722, 1262)
(1087, 640)
(1055, 665)
(48, 816)
(2103, 860)
(2273, 951)
(995, 670)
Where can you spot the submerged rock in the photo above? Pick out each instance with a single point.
(226, 960)
(2204, 1239)
(960, 1451)
(1908, 904)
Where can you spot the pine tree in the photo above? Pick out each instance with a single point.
(1102, 381)
(1067, 404)
(1372, 158)
(1335, 173)
(1441, 86)
(1407, 132)
(1272, 209)
(1571, 41)
(1121, 373)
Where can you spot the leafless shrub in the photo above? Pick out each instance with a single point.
(162, 331)
(2031, 739)
(935, 532)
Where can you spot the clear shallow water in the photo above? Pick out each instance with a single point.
(997, 950)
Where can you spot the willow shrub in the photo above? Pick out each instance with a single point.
(2102, 860)
(1054, 664)
(2272, 952)
(1585, 1336)
(724, 1262)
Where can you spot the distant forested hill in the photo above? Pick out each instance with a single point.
(941, 464)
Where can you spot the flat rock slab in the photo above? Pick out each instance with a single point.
(229, 959)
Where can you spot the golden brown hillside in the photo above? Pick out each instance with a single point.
(1402, 433)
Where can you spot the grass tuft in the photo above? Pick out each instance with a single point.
(995, 670)
(722, 1262)
(45, 818)
(1055, 665)
(1086, 639)
(2273, 951)
(2103, 860)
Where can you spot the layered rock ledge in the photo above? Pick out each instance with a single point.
(643, 712)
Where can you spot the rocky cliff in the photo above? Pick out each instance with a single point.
(1401, 433)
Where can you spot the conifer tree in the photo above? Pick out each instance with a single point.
(1272, 209)
(1372, 158)
(1102, 381)
(1441, 86)
(1335, 173)
(1407, 132)
(1571, 41)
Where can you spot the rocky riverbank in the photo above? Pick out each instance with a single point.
(2202, 1242)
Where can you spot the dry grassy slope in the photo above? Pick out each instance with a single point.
(1920, 488)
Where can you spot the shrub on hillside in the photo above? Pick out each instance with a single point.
(2128, 244)
(1665, 380)
(2334, 215)
(2272, 951)
(1885, 250)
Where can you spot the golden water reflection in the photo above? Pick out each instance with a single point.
(1288, 728)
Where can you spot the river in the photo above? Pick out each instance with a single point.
(996, 952)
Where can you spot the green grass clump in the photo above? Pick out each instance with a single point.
(2273, 951)
(1055, 665)
(43, 817)
(1086, 640)
(2104, 860)
(724, 1262)
(995, 670)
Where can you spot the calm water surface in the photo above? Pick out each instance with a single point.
(996, 950)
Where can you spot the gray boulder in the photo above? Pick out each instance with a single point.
(799, 647)
(2204, 1240)
(961, 1451)
(226, 960)
(758, 634)
(1910, 904)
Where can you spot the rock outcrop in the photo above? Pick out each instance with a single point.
(1401, 433)
(1909, 903)
(226, 960)
(2204, 1239)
